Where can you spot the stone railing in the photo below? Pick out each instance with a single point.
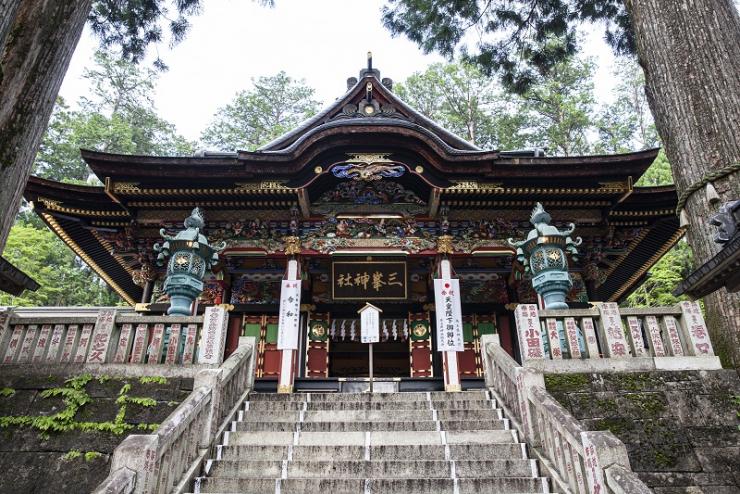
(168, 460)
(577, 460)
(53, 336)
(607, 338)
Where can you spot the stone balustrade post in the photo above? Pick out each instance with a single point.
(601, 450)
(612, 332)
(5, 329)
(101, 343)
(251, 342)
(210, 379)
(487, 341)
(694, 330)
(213, 336)
(529, 330)
(139, 453)
(122, 481)
(622, 480)
(525, 379)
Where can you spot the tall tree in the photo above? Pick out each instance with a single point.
(689, 51)
(37, 39)
(555, 113)
(273, 106)
(559, 110)
(117, 115)
(627, 124)
(466, 102)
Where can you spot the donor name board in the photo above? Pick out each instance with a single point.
(369, 280)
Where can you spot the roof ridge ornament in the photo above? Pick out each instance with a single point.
(369, 71)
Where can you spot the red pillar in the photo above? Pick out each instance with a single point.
(233, 334)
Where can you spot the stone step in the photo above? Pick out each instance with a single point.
(509, 485)
(375, 438)
(384, 469)
(369, 415)
(392, 452)
(265, 405)
(352, 426)
(370, 397)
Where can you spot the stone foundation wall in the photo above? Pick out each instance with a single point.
(680, 428)
(52, 442)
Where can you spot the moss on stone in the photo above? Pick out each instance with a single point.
(664, 459)
(633, 381)
(608, 405)
(721, 343)
(617, 426)
(649, 403)
(565, 383)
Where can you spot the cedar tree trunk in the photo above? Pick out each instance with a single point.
(690, 52)
(37, 39)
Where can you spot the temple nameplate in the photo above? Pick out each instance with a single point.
(369, 280)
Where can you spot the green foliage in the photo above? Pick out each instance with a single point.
(117, 116)
(558, 113)
(75, 454)
(153, 379)
(659, 173)
(65, 280)
(79, 382)
(7, 392)
(92, 455)
(273, 106)
(144, 402)
(466, 102)
(627, 124)
(663, 278)
(124, 391)
(124, 399)
(72, 454)
(75, 397)
(135, 24)
(514, 38)
(559, 109)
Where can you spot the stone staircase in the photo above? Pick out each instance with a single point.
(381, 443)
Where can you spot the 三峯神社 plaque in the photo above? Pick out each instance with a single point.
(369, 280)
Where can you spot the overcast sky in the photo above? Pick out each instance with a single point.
(321, 41)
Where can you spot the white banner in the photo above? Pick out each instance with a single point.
(290, 309)
(370, 325)
(449, 316)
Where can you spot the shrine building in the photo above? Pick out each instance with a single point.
(369, 198)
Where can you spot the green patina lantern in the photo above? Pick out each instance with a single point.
(190, 258)
(544, 254)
